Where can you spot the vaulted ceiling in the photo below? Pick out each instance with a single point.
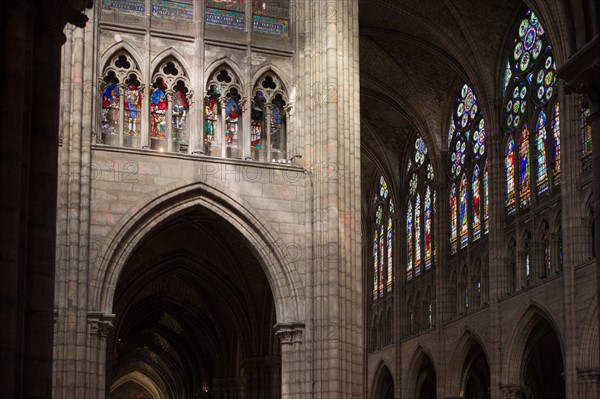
(414, 57)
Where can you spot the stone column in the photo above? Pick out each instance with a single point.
(290, 335)
(32, 33)
(99, 325)
(588, 381)
(498, 276)
(328, 117)
(580, 74)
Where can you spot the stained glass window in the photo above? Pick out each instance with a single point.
(211, 110)
(427, 225)
(476, 195)
(524, 168)
(463, 218)
(268, 140)
(110, 110)
(121, 98)
(222, 114)
(375, 264)
(586, 133)
(540, 142)
(390, 232)
(383, 240)
(132, 98)
(467, 157)
(409, 241)
(381, 261)
(530, 90)
(556, 144)
(509, 169)
(486, 202)
(420, 211)
(158, 113)
(453, 219)
(418, 235)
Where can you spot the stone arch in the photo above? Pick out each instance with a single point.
(171, 52)
(419, 368)
(383, 382)
(463, 357)
(142, 381)
(121, 46)
(267, 246)
(534, 314)
(228, 63)
(274, 70)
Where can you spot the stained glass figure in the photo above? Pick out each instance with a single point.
(486, 196)
(540, 142)
(232, 113)
(390, 232)
(110, 109)
(427, 227)
(158, 110)
(463, 218)
(179, 114)
(375, 264)
(409, 241)
(453, 218)
(257, 120)
(381, 261)
(509, 169)
(524, 168)
(556, 144)
(211, 112)
(476, 194)
(418, 235)
(277, 130)
(133, 101)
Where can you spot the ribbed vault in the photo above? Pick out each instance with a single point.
(194, 315)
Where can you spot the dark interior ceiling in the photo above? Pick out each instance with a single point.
(414, 56)
(193, 305)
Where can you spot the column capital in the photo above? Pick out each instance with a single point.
(511, 391)
(591, 375)
(100, 323)
(289, 333)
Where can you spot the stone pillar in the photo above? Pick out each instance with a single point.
(499, 277)
(580, 74)
(99, 325)
(290, 335)
(588, 381)
(328, 116)
(32, 33)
